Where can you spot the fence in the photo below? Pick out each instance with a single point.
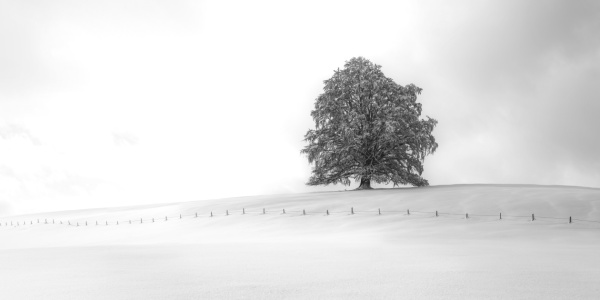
(243, 211)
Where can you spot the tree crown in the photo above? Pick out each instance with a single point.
(367, 127)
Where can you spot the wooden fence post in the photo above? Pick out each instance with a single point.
(211, 214)
(196, 215)
(500, 216)
(227, 212)
(532, 217)
(263, 211)
(303, 212)
(570, 220)
(284, 211)
(328, 212)
(243, 211)
(351, 210)
(408, 211)
(436, 213)
(180, 216)
(467, 215)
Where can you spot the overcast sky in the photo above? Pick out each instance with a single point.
(106, 103)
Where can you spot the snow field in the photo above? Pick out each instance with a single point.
(315, 256)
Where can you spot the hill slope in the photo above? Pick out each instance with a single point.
(315, 255)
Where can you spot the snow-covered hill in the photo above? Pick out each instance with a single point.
(306, 253)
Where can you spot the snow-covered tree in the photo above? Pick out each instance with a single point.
(367, 128)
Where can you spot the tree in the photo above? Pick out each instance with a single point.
(367, 128)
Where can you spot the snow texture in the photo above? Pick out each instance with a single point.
(364, 255)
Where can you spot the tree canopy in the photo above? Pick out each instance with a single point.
(367, 128)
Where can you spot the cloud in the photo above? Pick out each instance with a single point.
(44, 188)
(515, 90)
(66, 184)
(5, 208)
(124, 139)
(12, 131)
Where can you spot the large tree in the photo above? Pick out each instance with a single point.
(367, 128)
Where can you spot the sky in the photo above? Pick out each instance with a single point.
(121, 102)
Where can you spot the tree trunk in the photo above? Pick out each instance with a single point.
(365, 184)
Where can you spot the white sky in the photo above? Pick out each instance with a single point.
(106, 103)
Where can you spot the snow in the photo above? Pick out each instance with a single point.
(315, 256)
